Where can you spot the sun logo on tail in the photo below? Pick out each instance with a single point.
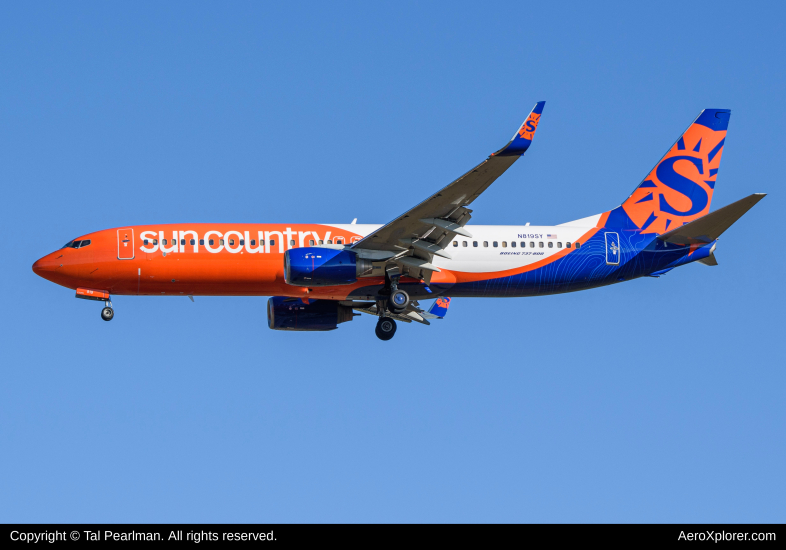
(679, 189)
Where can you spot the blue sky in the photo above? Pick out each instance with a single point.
(656, 400)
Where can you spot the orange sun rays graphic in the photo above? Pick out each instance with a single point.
(679, 189)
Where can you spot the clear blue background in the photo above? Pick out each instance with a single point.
(656, 400)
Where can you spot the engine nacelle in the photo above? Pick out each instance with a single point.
(315, 266)
(294, 314)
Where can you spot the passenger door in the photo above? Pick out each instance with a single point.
(125, 244)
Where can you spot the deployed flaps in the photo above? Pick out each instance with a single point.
(448, 225)
(425, 246)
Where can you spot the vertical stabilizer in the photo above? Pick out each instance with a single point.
(679, 189)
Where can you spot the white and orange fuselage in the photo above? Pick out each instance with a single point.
(248, 259)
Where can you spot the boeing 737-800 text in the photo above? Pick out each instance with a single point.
(322, 275)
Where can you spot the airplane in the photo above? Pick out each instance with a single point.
(322, 275)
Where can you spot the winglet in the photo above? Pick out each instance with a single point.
(522, 139)
(440, 307)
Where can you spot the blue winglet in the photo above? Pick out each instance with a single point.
(522, 139)
(440, 307)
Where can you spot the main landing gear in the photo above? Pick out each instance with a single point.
(386, 328)
(107, 314)
(396, 302)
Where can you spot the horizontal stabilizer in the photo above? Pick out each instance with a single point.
(439, 308)
(708, 228)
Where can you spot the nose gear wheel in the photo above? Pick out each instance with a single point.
(107, 313)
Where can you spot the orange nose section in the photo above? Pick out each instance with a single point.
(46, 266)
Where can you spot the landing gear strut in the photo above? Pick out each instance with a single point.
(107, 314)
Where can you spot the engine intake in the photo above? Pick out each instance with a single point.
(316, 266)
(294, 314)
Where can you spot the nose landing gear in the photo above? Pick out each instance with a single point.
(107, 314)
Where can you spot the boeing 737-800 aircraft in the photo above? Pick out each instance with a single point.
(322, 275)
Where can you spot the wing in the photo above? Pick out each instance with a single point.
(413, 239)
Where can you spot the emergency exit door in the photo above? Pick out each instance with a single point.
(125, 244)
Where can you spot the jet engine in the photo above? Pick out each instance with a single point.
(314, 266)
(295, 314)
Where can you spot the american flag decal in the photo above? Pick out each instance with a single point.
(551, 236)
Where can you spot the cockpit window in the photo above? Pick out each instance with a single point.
(77, 244)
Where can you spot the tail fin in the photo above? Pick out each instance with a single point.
(679, 189)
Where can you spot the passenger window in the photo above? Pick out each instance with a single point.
(486, 244)
(504, 244)
(559, 245)
(531, 244)
(291, 243)
(540, 244)
(253, 242)
(231, 242)
(163, 242)
(202, 242)
(242, 242)
(155, 242)
(513, 244)
(496, 244)
(338, 241)
(551, 244)
(183, 242)
(193, 242)
(212, 242)
(567, 245)
(578, 245)
(272, 242)
(455, 243)
(475, 244)
(323, 242)
(145, 242)
(221, 241)
(464, 243)
(311, 242)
